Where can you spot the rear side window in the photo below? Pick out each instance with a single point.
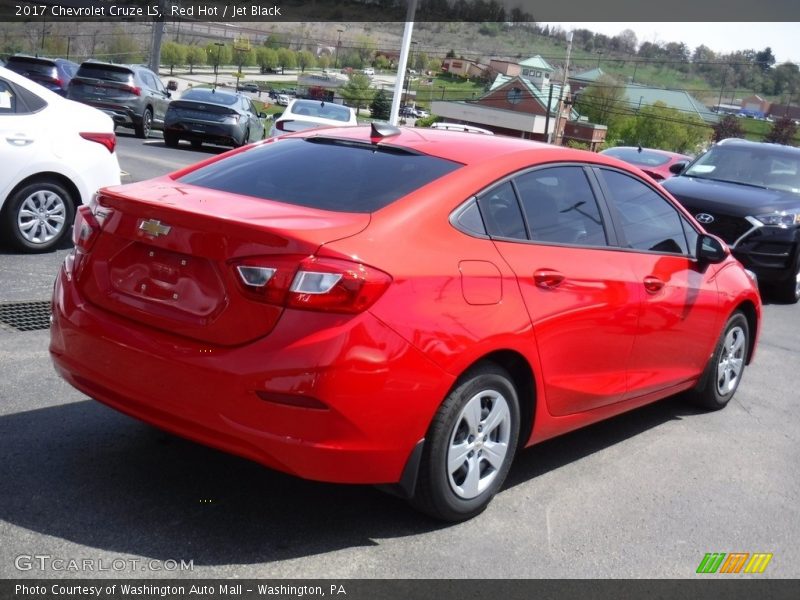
(323, 173)
(106, 72)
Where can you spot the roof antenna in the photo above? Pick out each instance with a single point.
(382, 129)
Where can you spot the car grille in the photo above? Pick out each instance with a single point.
(728, 227)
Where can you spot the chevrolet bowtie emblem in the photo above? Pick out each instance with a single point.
(154, 228)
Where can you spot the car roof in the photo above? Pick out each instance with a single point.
(752, 144)
(465, 149)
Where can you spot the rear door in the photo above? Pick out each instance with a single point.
(22, 132)
(679, 319)
(579, 291)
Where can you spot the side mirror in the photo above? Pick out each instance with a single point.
(678, 167)
(276, 116)
(711, 250)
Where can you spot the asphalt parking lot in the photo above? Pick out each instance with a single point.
(644, 495)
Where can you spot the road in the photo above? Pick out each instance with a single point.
(644, 495)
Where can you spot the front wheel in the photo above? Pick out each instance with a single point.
(726, 367)
(469, 446)
(788, 291)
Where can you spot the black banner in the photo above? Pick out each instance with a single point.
(444, 589)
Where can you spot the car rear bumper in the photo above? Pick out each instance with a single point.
(374, 394)
(220, 133)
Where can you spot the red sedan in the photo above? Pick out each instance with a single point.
(405, 307)
(656, 163)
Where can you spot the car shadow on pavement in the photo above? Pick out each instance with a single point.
(87, 474)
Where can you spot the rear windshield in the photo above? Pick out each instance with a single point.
(24, 64)
(323, 173)
(211, 97)
(325, 110)
(637, 157)
(106, 72)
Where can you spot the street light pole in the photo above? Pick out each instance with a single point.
(219, 46)
(338, 43)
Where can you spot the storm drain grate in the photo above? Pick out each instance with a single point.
(25, 316)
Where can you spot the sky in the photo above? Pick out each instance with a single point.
(783, 38)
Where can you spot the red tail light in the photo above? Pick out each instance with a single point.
(85, 230)
(109, 140)
(312, 283)
(132, 89)
(281, 125)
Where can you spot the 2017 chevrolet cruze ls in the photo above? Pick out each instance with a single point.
(405, 307)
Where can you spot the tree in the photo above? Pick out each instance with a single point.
(173, 54)
(323, 61)
(657, 126)
(364, 47)
(357, 91)
(765, 59)
(602, 102)
(783, 131)
(122, 48)
(195, 55)
(627, 41)
(727, 127)
(380, 107)
(306, 60)
(287, 59)
(267, 59)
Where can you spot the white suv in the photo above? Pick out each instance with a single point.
(55, 154)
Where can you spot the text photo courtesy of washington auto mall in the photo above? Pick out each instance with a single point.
(388, 299)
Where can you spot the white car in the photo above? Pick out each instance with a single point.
(308, 114)
(55, 154)
(369, 72)
(283, 100)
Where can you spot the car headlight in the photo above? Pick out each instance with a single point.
(784, 218)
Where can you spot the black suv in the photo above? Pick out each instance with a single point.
(53, 73)
(132, 95)
(748, 193)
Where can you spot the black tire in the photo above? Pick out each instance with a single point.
(38, 216)
(788, 291)
(725, 368)
(245, 139)
(145, 125)
(196, 144)
(465, 487)
(171, 140)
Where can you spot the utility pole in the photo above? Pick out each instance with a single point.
(158, 34)
(559, 131)
(403, 62)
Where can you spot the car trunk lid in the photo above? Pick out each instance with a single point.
(168, 255)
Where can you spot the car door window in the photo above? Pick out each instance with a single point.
(560, 206)
(648, 220)
(8, 99)
(500, 210)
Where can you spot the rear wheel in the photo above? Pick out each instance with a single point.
(724, 371)
(197, 144)
(38, 216)
(145, 126)
(469, 446)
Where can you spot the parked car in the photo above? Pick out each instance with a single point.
(55, 155)
(214, 116)
(421, 113)
(132, 95)
(748, 193)
(369, 72)
(249, 87)
(53, 73)
(408, 111)
(283, 100)
(308, 114)
(401, 307)
(654, 162)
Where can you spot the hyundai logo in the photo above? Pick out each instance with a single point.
(704, 218)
